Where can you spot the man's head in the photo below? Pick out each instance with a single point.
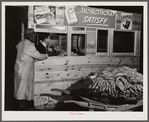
(30, 35)
(45, 37)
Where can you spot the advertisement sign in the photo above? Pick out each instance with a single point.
(136, 23)
(126, 21)
(83, 16)
(89, 17)
(48, 15)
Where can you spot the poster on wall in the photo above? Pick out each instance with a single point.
(89, 17)
(137, 20)
(48, 15)
(126, 21)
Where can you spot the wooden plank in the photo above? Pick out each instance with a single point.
(138, 43)
(92, 61)
(81, 67)
(50, 30)
(52, 60)
(98, 57)
(69, 41)
(135, 59)
(75, 73)
(135, 42)
(91, 40)
(110, 42)
(61, 75)
(123, 54)
(128, 61)
(78, 30)
(83, 60)
(59, 80)
(102, 54)
(71, 69)
(46, 87)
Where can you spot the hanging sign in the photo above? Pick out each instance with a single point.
(137, 20)
(48, 15)
(91, 17)
(126, 21)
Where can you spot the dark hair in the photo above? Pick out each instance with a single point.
(42, 36)
(29, 34)
(31, 38)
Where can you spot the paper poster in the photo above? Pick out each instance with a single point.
(137, 20)
(126, 21)
(89, 17)
(44, 14)
(60, 15)
(71, 16)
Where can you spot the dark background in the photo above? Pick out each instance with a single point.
(14, 16)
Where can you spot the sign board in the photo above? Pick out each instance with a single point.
(137, 20)
(82, 16)
(48, 15)
(126, 21)
(89, 17)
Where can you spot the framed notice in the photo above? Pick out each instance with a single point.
(126, 21)
(89, 17)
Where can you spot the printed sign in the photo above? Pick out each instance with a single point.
(126, 21)
(48, 15)
(87, 16)
(70, 14)
(136, 23)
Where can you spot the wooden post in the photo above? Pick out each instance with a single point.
(91, 41)
(137, 44)
(110, 42)
(69, 41)
(60, 40)
(22, 30)
(135, 41)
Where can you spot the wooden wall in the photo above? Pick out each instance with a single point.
(61, 72)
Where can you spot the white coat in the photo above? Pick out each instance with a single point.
(24, 69)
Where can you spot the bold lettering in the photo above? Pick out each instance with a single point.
(98, 20)
(90, 11)
(89, 19)
(105, 20)
(93, 18)
(85, 18)
(84, 10)
(101, 20)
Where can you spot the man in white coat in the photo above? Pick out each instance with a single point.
(24, 69)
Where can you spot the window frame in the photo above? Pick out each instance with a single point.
(125, 54)
(108, 42)
(77, 32)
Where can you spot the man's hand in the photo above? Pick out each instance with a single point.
(58, 48)
(50, 49)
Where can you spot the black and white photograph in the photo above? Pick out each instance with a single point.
(74, 60)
